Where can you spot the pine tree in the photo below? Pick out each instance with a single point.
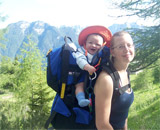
(32, 90)
(147, 38)
(8, 69)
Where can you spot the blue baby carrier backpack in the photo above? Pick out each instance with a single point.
(62, 75)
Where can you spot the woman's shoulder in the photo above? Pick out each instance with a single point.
(104, 76)
(104, 80)
(103, 85)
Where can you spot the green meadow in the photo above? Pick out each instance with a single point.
(16, 113)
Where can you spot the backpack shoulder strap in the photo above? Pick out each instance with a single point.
(108, 67)
(65, 65)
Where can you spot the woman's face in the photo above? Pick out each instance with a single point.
(123, 48)
(93, 43)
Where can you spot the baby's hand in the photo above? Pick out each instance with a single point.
(89, 68)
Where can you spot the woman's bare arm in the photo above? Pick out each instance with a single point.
(103, 96)
(126, 125)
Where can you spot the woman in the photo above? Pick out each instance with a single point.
(113, 114)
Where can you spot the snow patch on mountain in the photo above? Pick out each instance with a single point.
(39, 27)
(24, 26)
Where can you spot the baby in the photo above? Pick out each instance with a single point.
(91, 39)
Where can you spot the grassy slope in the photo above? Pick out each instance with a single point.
(14, 116)
(145, 111)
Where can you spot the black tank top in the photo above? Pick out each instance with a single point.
(120, 108)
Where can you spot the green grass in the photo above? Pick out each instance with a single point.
(14, 114)
(143, 115)
(145, 110)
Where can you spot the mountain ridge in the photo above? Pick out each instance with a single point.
(44, 35)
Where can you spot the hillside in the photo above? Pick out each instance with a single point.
(145, 110)
(143, 115)
(44, 35)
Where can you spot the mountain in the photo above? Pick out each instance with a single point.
(43, 34)
(119, 27)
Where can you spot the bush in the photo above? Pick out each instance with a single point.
(143, 80)
(156, 75)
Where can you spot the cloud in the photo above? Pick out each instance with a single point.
(63, 12)
(71, 12)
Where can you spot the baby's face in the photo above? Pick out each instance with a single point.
(93, 43)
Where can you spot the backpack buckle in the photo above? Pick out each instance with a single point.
(95, 76)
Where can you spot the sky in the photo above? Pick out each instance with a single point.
(63, 12)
